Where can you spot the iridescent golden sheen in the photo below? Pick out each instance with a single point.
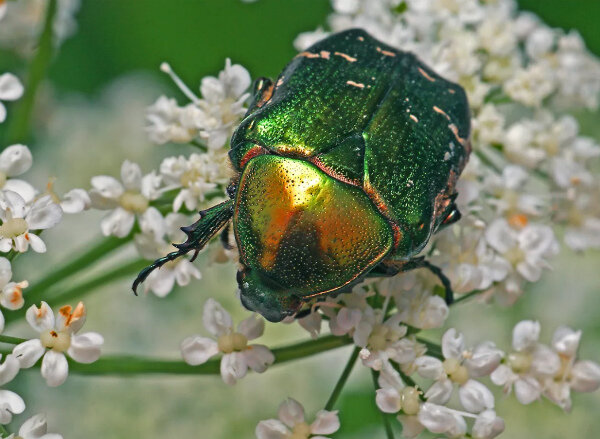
(304, 230)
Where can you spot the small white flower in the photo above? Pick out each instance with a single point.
(531, 363)
(459, 366)
(19, 219)
(292, 425)
(530, 86)
(211, 118)
(10, 404)
(126, 200)
(581, 376)
(413, 297)
(197, 175)
(11, 293)
(526, 249)
(35, 428)
(16, 160)
(57, 336)
(11, 88)
(238, 355)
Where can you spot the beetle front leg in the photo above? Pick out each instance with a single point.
(392, 268)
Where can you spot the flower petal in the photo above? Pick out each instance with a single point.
(525, 335)
(85, 348)
(566, 341)
(216, 320)
(9, 369)
(311, 323)
(487, 425)
(153, 223)
(29, 352)
(117, 223)
(185, 271)
(54, 368)
(11, 403)
(105, 186)
(326, 422)
(131, 176)
(252, 327)
(271, 429)
(585, 376)
(21, 187)
(197, 350)
(258, 357)
(429, 367)
(41, 319)
(291, 412)
(11, 88)
(75, 201)
(44, 214)
(475, 397)
(388, 400)
(527, 390)
(440, 391)
(37, 244)
(15, 160)
(453, 344)
(233, 367)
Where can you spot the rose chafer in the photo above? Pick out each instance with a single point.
(345, 166)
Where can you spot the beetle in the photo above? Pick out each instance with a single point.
(344, 168)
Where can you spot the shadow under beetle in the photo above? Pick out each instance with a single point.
(345, 166)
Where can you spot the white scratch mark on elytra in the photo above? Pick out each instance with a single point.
(424, 73)
(345, 56)
(355, 84)
(385, 52)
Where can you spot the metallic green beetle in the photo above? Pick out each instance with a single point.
(345, 166)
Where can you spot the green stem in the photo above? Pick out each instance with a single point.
(37, 72)
(342, 380)
(36, 292)
(3, 431)
(467, 296)
(389, 433)
(130, 365)
(199, 145)
(487, 161)
(11, 340)
(433, 349)
(86, 287)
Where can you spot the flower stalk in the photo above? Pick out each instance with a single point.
(37, 71)
(130, 365)
(342, 380)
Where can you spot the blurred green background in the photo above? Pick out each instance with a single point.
(91, 119)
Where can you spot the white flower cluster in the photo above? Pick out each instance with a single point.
(530, 169)
(25, 212)
(24, 20)
(168, 198)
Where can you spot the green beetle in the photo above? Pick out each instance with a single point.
(345, 166)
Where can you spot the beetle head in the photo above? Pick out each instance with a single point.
(266, 297)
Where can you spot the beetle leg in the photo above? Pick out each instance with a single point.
(198, 235)
(392, 268)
